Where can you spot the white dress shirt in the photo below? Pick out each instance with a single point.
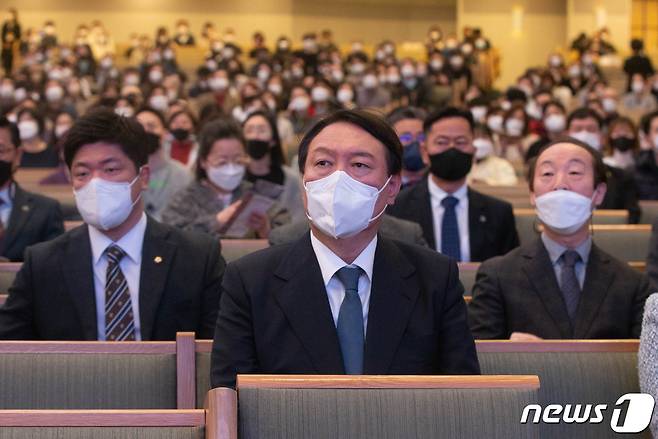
(7, 197)
(461, 211)
(131, 243)
(330, 263)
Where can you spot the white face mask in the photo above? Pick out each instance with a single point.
(218, 83)
(227, 177)
(563, 211)
(495, 123)
(592, 139)
(479, 113)
(159, 102)
(483, 148)
(28, 129)
(319, 94)
(54, 94)
(555, 123)
(300, 103)
(105, 204)
(345, 95)
(609, 105)
(60, 130)
(514, 127)
(341, 206)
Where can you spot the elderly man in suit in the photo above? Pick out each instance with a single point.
(456, 220)
(25, 218)
(342, 298)
(122, 275)
(561, 285)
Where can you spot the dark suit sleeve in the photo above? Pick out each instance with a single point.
(215, 267)
(54, 224)
(510, 240)
(631, 203)
(457, 355)
(17, 314)
(652, 258)
(486, 311)
(642, 294)
(233, 349)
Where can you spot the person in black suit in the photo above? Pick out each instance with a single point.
(25, 218)
(586, 125)
(560, 286)
(343, 299)
(122, 275)
(476, 227)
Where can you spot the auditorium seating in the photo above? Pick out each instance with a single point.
(625, 242)
(97, 375)
(233, 249)
(104, 424)
(296, 406)
(571, 372)
(8, 272)
(649, 211)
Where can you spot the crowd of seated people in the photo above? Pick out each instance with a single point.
(383, 158)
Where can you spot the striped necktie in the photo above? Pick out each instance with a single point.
(119, 318)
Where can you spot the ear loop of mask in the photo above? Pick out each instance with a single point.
(386, 205)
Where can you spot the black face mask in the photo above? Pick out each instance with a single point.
(623, 144)
(152, 142)
(180, 134)
(5, 171)
(257, 148)
(451, 165)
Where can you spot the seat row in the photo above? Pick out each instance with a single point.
(159, 384)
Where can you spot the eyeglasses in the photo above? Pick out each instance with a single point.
(407, 138)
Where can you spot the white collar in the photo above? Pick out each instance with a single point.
(438, 194)
(330, 263)
(131, 242)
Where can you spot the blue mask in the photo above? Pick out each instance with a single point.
(411, 159)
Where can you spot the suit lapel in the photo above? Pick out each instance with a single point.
(477, 221)
(597, 284)
(423, 205)
(303, 299)
(78, 272)
(392, 299)
(540, 273)
(157, 257)
(20, 212)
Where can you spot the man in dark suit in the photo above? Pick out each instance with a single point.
(391, 228)
(343, 299)
(456, 220)
(586, 125)
(121, 276)
(25, 218)
(561, 285)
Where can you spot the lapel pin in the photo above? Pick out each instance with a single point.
(25, 207)
(483, 219)
(157, 259)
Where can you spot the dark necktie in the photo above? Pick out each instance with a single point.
(119, 318)
(350, 322)
(569, 280)
(450, 245)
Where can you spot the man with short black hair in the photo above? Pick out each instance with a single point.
(343, 298)
(586, 125)
(25, 218)
(561, 285)
(122, 275)
(456, 220)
